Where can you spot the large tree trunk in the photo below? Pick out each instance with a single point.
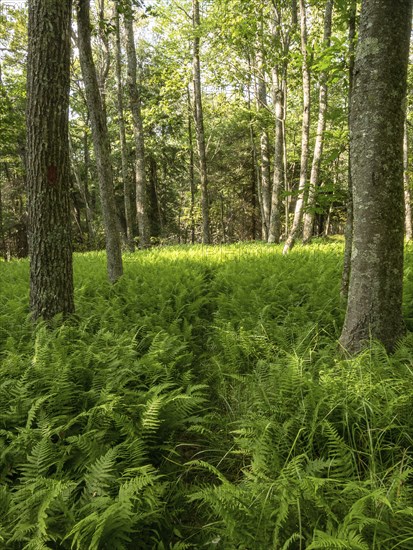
(305, 134)
(101, 143)
(135, 107)
(348, 232)
(407, 190)
(127, 181)
(374, 308)
(321, 126)
(199, 124)
(48, 172)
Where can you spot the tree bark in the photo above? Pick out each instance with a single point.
(305, 133)
(48, 171)
(3, 247)
(135, 107)
(374, 308)
(199, 124)
(82, 188)
(348, 232)
(191, 169)
(262, 106)
(321, 126)
(407, 190)
(126, 179)
(101, 143)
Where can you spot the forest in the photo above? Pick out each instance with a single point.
(206, 274)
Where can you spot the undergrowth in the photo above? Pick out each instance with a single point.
(201, 402)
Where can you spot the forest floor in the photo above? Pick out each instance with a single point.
(202, 402)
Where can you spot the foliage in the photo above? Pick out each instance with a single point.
(201, 402)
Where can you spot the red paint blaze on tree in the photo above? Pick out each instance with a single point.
(52, 174)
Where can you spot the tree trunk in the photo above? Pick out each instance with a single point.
(255, 171)
(3, 247)
(83, 193)
(348, 232)
(101, 143)
(191, 167)
(407, 190)
(279, 168)
(374, 308)
(262, 106)
(199, 124)
(155, 218)
(135, 107)
(48, 172)
(127, 182)
(321, 126)
(305, 133)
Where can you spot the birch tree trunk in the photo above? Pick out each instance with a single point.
(374, 308)
(135, 107)
(407, 190)
(126, 179)
(321, 126)
(199, 123)
(48, 168)
(305, 135)
(101, 143)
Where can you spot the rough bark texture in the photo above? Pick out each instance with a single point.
(305, 134)
(321, 126)
(126, 179)
(100, 142)
(135, 107)
(348, 232)
(48, 168)
(199, 124)
(374, 308)
(407, 191)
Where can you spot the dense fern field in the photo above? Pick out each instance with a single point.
(202, 402)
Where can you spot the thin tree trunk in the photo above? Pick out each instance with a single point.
(191, 167)
(255, 172)
(321, 126)
(278, 176)
(2, 237)
(155, 218)
(101, 143)
(407, 190)
(348, 232)
(135, 107)
(199, 124)
(305, 135)
(127, 182)
(374, 308)
(48, 172)
(262, 106)
(285, 158)
(82, 190)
